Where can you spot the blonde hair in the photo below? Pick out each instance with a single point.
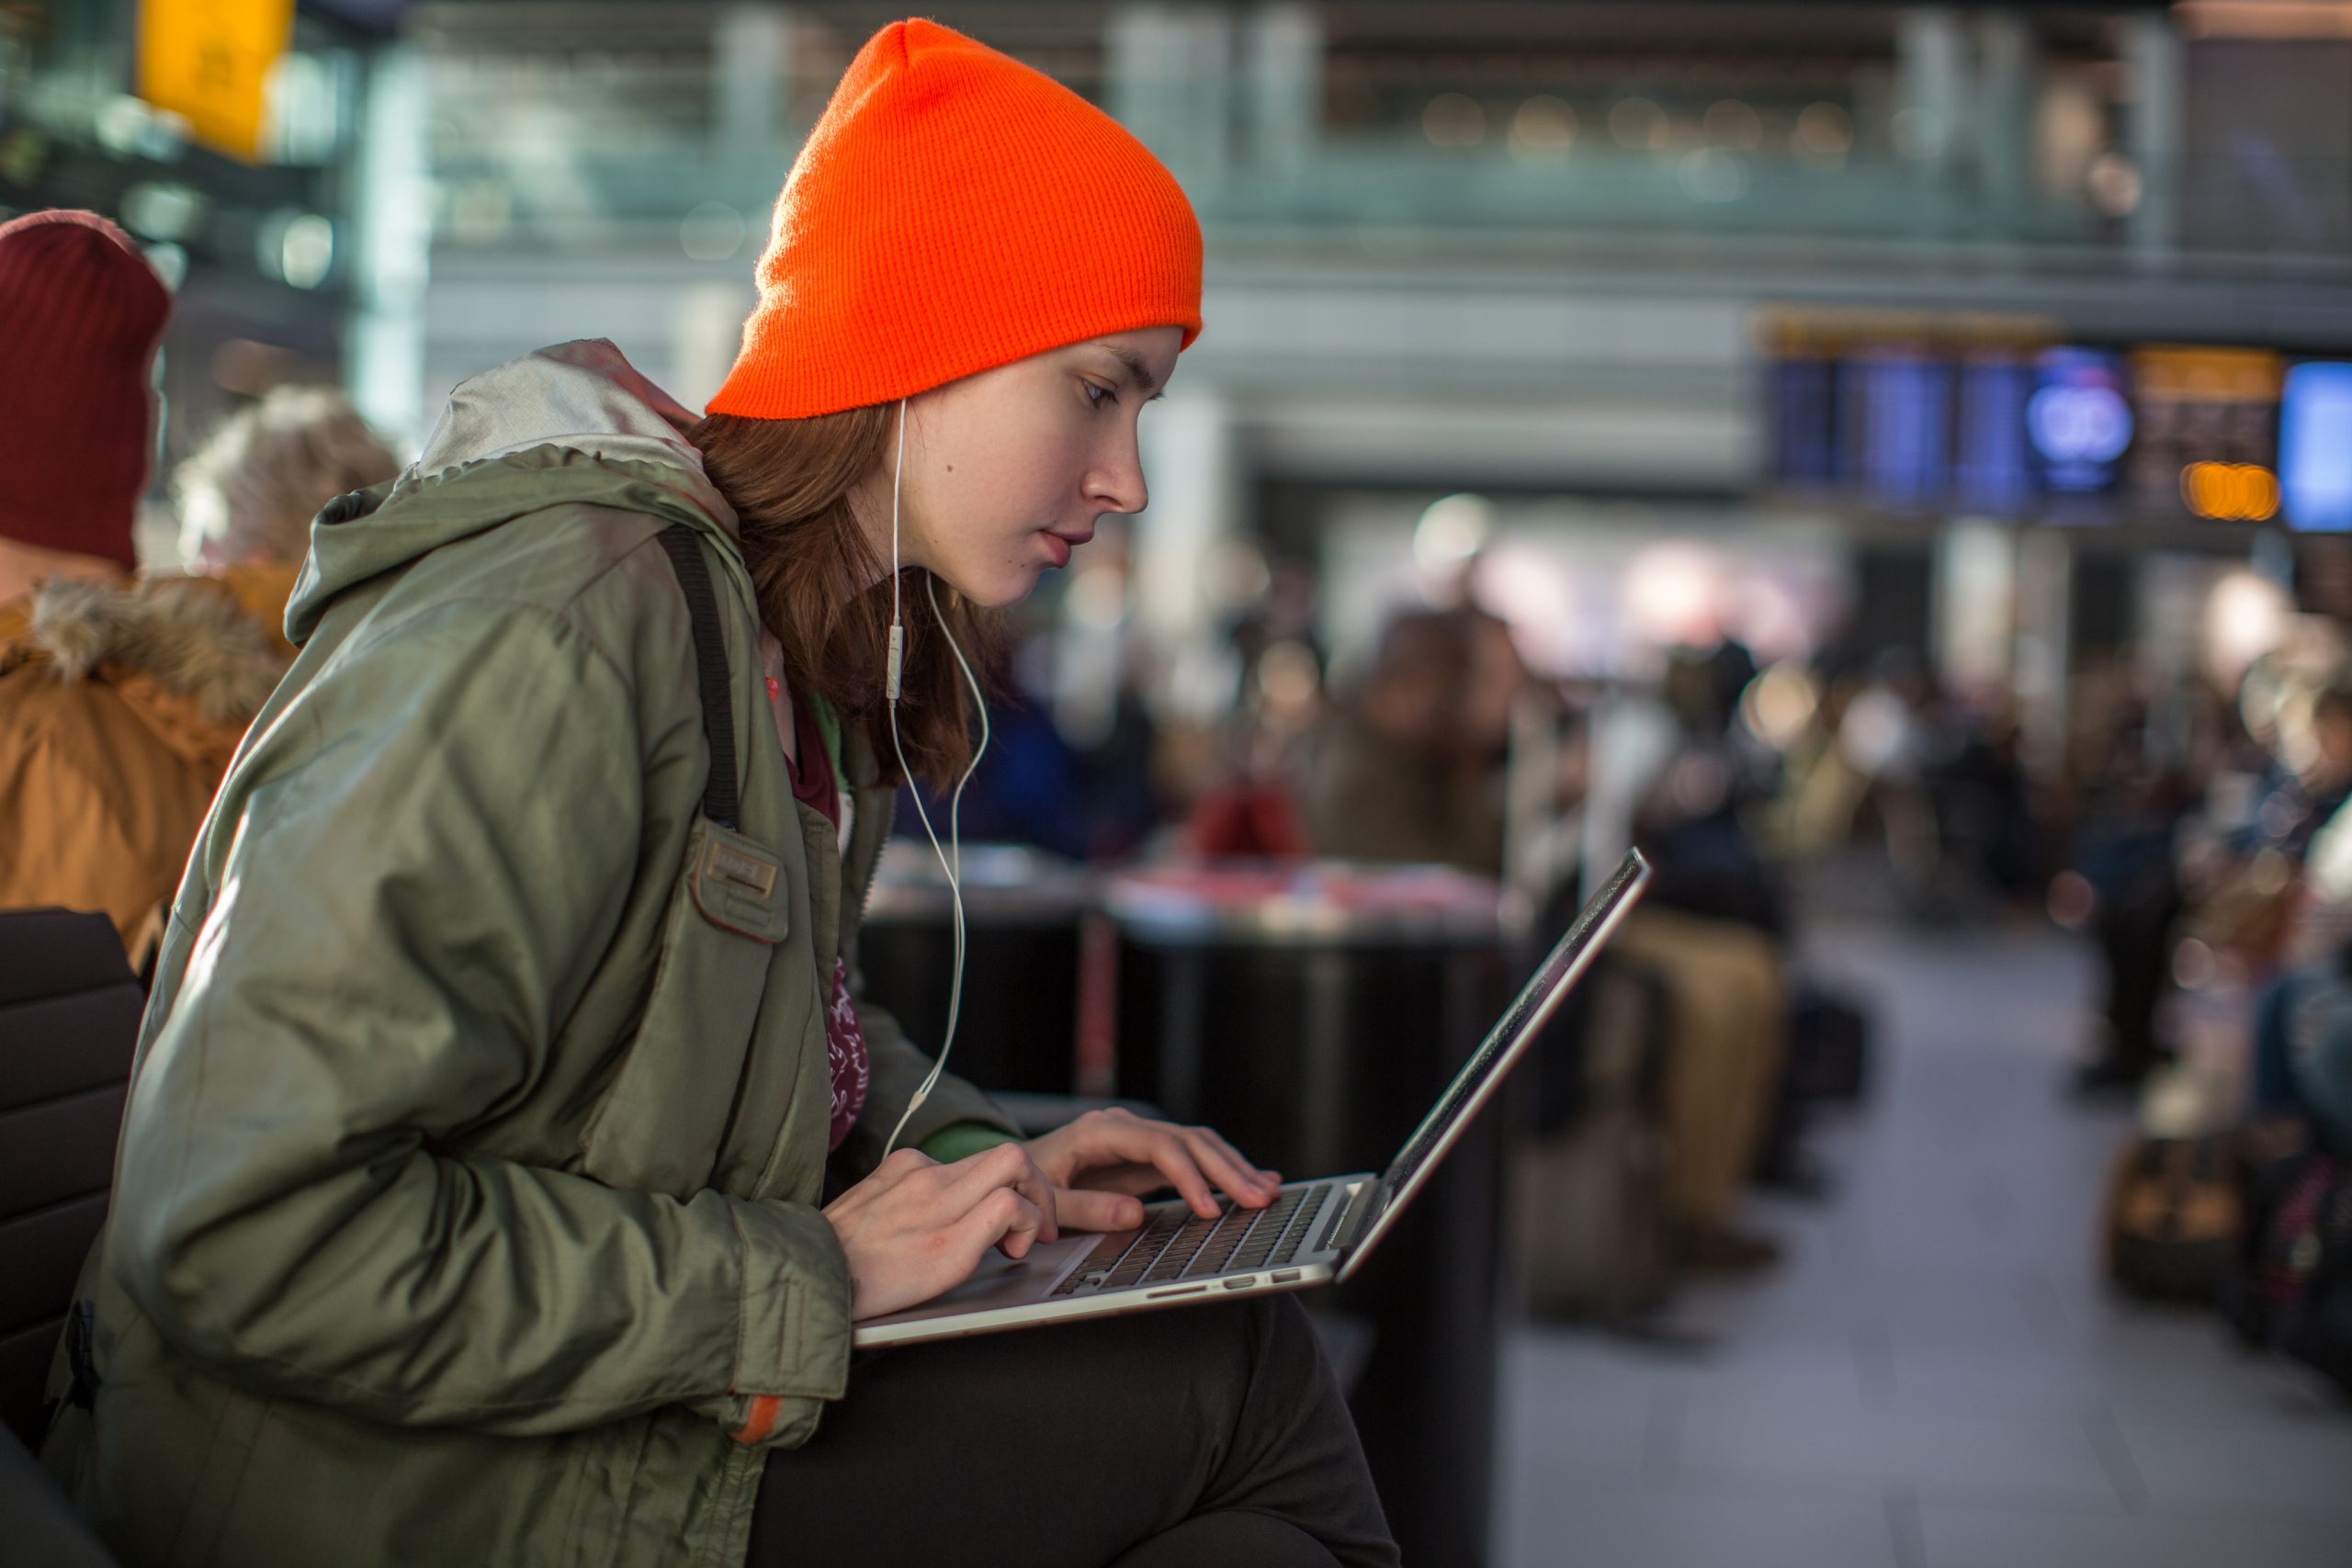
(249, 493)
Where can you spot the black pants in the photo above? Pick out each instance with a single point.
(1211, 1434)
(2135, 939)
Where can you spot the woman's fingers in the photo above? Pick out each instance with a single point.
(1084, 1209)
(1116, 1152)
(1003, 1219)
(1169, 1154)
(884, 1176)
(1265, 1180)
(1005, 1168)
(1191, 1163)
(1237, 1176)
(893, 1170)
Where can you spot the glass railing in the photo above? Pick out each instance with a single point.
(552, 188)
(578, 149)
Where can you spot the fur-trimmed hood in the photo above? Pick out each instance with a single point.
(196, 656)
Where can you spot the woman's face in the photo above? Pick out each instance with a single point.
(1007, 470)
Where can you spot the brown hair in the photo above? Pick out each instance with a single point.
(826, 596)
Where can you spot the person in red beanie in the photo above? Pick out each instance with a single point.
(120, 700)
(513, 1146)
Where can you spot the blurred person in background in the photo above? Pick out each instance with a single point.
(2302, 1032)
(121, 698)
(1409, 768)
(2227, 878)
(247, 496)
(1986, 818)
(1713, 930)
(515, 1148)
(1026, 789)
(1249, 808)
(2123, 885)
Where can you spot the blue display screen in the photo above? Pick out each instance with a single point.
(2077, 421)
(2315, 447)
(1895, 419)
(1989, 468)
(1804, 436)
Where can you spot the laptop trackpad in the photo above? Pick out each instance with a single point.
(1002, 1282)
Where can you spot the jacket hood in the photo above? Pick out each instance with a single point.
(574, 423)
(210, 643)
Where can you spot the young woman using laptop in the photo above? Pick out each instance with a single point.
(511, 1150)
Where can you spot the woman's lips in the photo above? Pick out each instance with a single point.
(1062, 544)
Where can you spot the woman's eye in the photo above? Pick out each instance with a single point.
(1098, 396)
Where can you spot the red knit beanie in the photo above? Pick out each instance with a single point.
(955, 210)
(81, 313)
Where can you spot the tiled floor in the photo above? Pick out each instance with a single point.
(1937, 1377)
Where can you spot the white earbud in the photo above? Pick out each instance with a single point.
(951, 860)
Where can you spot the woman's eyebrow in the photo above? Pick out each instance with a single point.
(1138, 371)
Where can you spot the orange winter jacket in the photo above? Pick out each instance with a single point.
(120, 705)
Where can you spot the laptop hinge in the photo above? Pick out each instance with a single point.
(1349, 1222)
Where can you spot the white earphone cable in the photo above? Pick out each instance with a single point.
(951, 860)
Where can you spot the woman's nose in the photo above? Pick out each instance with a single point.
(1118, 485)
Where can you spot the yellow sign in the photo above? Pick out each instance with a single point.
(209, 61)
(2231, 492)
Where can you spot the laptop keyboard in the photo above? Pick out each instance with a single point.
(1180, 1245)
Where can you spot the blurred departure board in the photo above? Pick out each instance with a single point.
(1895, 422)
(2207, 435)
(1990, 467)
(1804, 401)
(2315, 447)
(1994, 417)
(2078, 422)
(1903, 410)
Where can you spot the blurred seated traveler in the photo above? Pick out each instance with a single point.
(120, 699)
(1404, 771)
(2302, 1028)
(1413, 770)
(1714, 931)
(1250, 810)
(2303, 1057)
(515, 1148)
(2267, 882)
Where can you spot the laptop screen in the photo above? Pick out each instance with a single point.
(1528, 1012)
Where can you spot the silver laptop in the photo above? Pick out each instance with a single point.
(1313, 1233)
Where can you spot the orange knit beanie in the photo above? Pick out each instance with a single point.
(955, 210)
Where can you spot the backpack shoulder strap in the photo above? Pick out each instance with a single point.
(720, 803)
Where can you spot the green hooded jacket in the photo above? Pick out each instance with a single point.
(466, 1205)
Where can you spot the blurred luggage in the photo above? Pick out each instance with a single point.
(2292, 1286)
(1591, 1188)
(2173, 1216)
(2314, 1323)
(2271, 1153)
(69, 1024)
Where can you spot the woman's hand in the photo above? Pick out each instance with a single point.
(916, 1227)
(1100, 1162)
